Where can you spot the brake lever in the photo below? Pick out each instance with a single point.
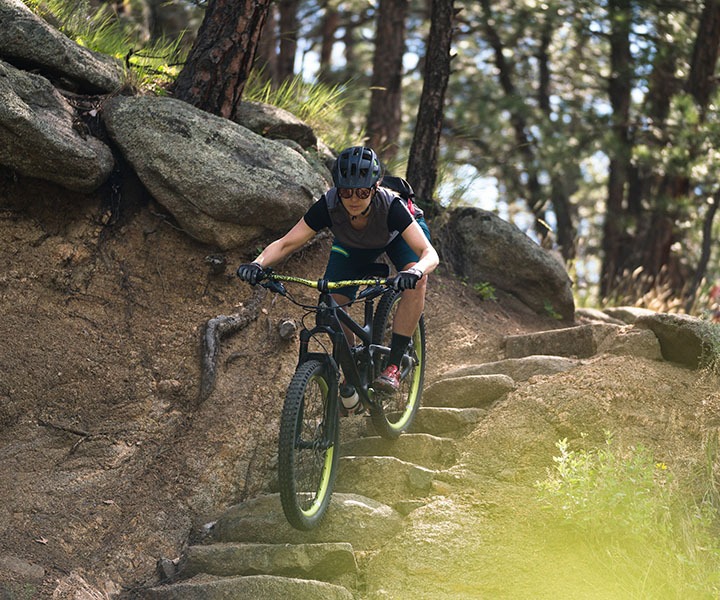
(375, 290)
(274, 286)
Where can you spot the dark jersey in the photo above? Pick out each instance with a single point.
(388, 218)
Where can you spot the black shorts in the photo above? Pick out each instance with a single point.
(352, 263)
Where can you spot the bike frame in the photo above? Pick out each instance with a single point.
(329, 320)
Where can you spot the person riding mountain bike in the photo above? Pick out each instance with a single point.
(366, 221)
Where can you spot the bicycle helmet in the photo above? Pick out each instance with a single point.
(356, 167)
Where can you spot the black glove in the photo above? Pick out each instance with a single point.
(407, 280)
(251, 272)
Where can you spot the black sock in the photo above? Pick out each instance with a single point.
(398, 345)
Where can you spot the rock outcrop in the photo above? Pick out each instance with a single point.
(29, 42)
(481, 246)
(224, 184)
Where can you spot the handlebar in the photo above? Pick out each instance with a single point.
(377, 285)
(327, 285)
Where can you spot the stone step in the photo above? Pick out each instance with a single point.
(256, 587)
(520, 369)
(423, 449)
(384, 478)
(469, 391)
(331, 562)
(581, 341)
(362, 522)
(447, 422)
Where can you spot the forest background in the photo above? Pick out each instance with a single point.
(592, 126)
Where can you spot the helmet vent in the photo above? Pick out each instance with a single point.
(356, 167)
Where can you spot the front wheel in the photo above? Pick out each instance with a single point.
(308, 446)
(394, 415)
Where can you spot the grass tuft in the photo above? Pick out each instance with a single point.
(629, 508)
(149, 65)
(319, 105)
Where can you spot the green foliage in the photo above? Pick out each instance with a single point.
(689, 147)
(485, 290)
(629, 507)
(550, 310)
(150, 65)
(319, 105)
(607, 491)
(157, 65)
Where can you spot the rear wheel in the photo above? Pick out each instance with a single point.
(394, 414)
(308, 447)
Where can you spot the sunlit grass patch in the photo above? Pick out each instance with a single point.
(630, 512)
(148, 65)
(319, 105)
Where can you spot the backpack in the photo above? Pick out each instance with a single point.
(403, 189)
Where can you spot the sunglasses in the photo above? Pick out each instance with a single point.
(347, 193)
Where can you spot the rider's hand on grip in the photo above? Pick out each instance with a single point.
(251, 272)
(407, 280)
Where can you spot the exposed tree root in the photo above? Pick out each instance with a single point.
(218, 328)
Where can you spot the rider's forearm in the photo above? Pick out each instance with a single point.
(273, 253)
(429, 260)
(286, 245)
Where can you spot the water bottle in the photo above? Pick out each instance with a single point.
(349, 397)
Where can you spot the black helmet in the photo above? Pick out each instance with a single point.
(356, 167)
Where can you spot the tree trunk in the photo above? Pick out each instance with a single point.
(352, 68)
(385, 116)
(644, 204)
(661, 266)
(614, 242)
(559, 182)
(288, 39)
(267, 52)
(707, 243)
(702, 82)
(564, 213)
(423, 160)
(221, 57)
(329, 28)
(526, 146)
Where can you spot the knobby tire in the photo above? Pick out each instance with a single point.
(394, 415)
(307, 458)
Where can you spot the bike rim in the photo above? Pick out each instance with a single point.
(324, 486)
(316, 473)
(413, 385)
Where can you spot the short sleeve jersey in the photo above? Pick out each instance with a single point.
(388, 218)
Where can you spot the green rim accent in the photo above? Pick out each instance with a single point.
(324, 485)
(414, 387)
(323, 488)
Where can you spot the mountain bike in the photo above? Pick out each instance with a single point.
(308, 448)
